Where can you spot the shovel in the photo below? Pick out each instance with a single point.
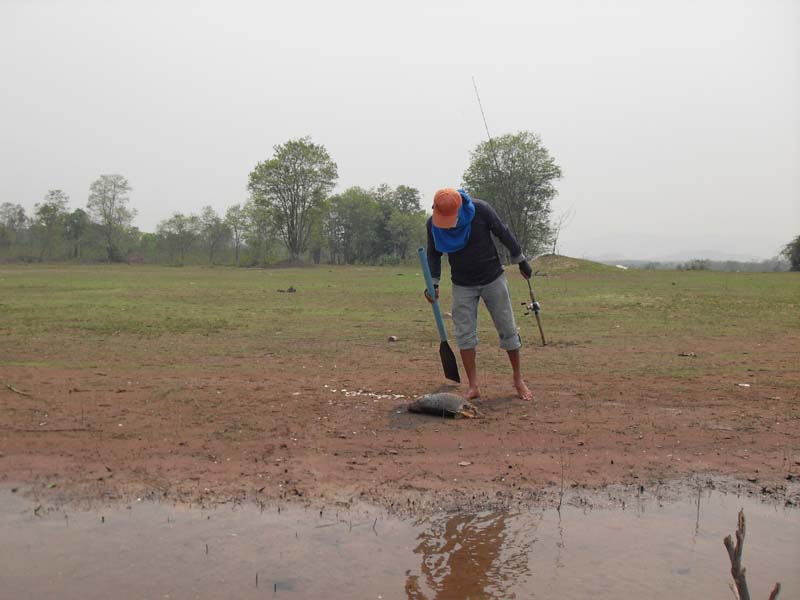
(449, 363)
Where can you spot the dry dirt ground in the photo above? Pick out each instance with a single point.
(276, 430)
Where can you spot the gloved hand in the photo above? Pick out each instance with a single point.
(436, 291)
(525, 269)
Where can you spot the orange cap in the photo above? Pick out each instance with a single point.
(446, 204)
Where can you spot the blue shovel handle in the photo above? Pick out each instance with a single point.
(426, 271)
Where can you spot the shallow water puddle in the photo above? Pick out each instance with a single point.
(651, 549)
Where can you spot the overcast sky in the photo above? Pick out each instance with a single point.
(676, 123)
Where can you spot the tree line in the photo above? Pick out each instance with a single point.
(290, 215)
(770, 265)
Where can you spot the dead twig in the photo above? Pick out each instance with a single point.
(735, 555)
(16, 391)
(737, 570)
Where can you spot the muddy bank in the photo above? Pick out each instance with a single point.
(220, 434)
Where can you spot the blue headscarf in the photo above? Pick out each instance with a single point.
(455, 238)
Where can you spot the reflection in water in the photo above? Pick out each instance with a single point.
(150, 550)
(559, 545)
(470, 556)
(697, 520)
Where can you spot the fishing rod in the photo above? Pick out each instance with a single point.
(534, 305)
(497, 168)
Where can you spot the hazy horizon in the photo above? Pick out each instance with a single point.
(677, 125)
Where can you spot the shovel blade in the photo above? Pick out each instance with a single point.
(449, 363)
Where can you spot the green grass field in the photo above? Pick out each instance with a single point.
(68, 316)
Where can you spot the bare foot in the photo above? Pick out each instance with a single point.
(522, 389)
(473, 392)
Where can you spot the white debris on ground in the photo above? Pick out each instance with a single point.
(388, 395)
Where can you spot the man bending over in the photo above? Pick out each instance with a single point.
(461, 227)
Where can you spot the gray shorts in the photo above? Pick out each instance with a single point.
(497, 300)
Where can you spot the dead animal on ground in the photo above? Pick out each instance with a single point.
(444, 405)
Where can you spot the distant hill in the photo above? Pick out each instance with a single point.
(555, 263)
(761, 266)
(677, 257)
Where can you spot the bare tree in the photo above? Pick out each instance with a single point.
(214, 230)
(236, 219)
(561, 221)
(737, 569)
(108, 207)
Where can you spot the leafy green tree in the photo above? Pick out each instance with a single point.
(49, 219)
(108, 207)
(406, 224)
(214, 230)
(12, 221)
(291, 185)
(148, 246)
(383, 194)
(179, 232)
(132, 242)
(792, 253)
(236, 220)
(76, 226)
(316, 236)
(333, 231)
(403, 200)
(369, 226)
(516, 174)
(407, 231)
(351, 229)
(258, 230)
(386, 201)
(407, 199)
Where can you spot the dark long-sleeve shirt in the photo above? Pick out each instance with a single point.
(477, 263)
